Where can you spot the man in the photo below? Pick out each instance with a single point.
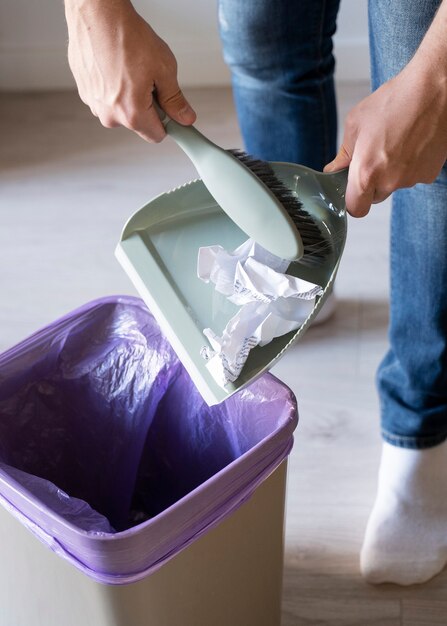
(280, 55)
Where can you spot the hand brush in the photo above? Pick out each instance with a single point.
(252, 195)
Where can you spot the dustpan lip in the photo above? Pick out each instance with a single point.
(127, 229)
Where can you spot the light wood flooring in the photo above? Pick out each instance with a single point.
(67, 187)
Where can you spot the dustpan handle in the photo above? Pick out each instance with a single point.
(340, 179)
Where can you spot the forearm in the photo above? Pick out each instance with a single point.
(432, 52)
(429, 63)
(426, 74)
(92, 12)
(96, 4)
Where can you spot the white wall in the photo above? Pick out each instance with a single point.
(33, 41)
(351, 41)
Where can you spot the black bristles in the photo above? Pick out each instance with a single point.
(315, 245)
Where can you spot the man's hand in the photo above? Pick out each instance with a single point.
(397, 136)
(118, 61)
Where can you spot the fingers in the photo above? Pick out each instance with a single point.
(107, 119)
(359, 196)
(135, 114)
(142, 118)
(145, 121)
(365, 183)
(341, 161)
(360, 191)
(171, 99)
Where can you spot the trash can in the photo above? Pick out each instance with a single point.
(159, 510)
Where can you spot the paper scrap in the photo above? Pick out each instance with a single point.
(271, 302)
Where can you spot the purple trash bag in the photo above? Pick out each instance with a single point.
(109, 454)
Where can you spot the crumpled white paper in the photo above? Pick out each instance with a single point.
(272, 303)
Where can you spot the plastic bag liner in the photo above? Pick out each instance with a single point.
(109, 454)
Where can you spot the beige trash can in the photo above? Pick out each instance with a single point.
(230, 576)
(145, 506)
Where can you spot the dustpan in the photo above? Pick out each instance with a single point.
(158, 250)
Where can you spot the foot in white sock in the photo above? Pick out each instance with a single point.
(406, 535)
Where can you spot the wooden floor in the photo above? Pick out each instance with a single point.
(67, 187)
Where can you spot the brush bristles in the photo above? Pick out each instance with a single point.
(315, 246)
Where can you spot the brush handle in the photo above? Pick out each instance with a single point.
(164, 117)
(340, 179)
(188, 138)
(239, 192)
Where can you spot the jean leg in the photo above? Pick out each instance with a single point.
(280, 56)
(412, 378)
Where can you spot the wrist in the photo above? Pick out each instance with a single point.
(428, 78)
(92, 7)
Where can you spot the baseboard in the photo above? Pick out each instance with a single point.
(32, 68)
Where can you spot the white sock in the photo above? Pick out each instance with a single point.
(406, 535)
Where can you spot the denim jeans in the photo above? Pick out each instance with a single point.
(282, 67)
(280, 56)
(412, 378)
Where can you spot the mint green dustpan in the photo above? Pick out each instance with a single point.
(159, 247)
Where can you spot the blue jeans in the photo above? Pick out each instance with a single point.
(280, 56)
(412, 378)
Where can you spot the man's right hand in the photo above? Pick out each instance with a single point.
(118, 61)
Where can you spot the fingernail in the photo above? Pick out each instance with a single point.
(186, 114)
